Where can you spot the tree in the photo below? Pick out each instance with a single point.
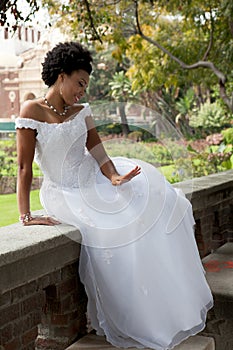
(199, 46)
(121, 92)
(12, 7)
(202, 41)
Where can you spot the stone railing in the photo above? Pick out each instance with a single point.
(42, 301)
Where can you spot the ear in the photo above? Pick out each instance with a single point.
(61, 77)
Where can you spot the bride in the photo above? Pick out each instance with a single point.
(139, 261)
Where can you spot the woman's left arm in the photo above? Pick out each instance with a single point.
(96, 148)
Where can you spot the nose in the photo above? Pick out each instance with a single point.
(83, 91)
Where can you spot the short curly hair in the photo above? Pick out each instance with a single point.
(65, 57)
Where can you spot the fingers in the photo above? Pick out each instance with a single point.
(125, 178)
(136, 171)
(42, 220)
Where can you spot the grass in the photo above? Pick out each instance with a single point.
(9, 210)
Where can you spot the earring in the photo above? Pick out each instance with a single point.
(61, 86)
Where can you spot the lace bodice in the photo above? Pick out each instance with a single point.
(60, 147)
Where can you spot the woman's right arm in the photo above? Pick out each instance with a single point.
(26, 140)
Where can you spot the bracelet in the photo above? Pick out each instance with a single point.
(25, 217)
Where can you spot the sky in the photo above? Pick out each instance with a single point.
(39, 20)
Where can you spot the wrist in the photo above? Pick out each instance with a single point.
(26, 217)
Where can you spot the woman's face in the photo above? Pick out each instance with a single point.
(73, 86)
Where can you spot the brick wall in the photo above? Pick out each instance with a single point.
(43, 303)
(212, 201)
(56, 302)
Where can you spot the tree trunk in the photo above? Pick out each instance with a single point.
(124, 122)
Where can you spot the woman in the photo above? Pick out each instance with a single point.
(139, 261)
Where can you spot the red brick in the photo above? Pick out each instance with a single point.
(73, 315)
(66, 304)
(9, 314)
(61, 320)
(13, 345)
(24, 323)
(67, 286)
(34, 302)
(6, 333)
(70, 301)
(29, 336)
(23, 291)
(67, 332)
(30, 346)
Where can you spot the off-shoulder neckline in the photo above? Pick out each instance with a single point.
(66, 121)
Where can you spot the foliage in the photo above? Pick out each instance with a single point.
(184, 105)
(167, 44)
(162, 154)
(127, 148)
(109, 128)
(211, 160)
(104, 69)
(228, 136)
(8, 163)
(120, 91)
(210, 117)
(135, 136)
(120, 87)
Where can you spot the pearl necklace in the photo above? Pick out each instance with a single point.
(62, 114)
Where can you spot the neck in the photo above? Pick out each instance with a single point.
(57, 106)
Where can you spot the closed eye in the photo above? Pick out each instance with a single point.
(83, 86)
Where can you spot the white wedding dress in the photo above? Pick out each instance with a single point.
(139, 261)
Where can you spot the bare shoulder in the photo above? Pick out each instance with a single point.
(32, 109)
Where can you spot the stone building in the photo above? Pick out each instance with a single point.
(12, 45)
(21, 55)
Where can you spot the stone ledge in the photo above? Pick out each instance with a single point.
(27, 253)
(192, 188)
(93, 342)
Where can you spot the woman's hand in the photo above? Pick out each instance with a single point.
(41, 220)
(120, 179)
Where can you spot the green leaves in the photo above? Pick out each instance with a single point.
(210, 117)
(120, 87)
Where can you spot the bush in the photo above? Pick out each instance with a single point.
(135, 136)
(162, 155)
(212, 160)
(228, 136)
(111, 128)
(210, 117)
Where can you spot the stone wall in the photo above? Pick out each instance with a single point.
(41, 298)
(39, 285)
(212, 201)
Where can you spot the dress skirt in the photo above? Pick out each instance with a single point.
(139, 260)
